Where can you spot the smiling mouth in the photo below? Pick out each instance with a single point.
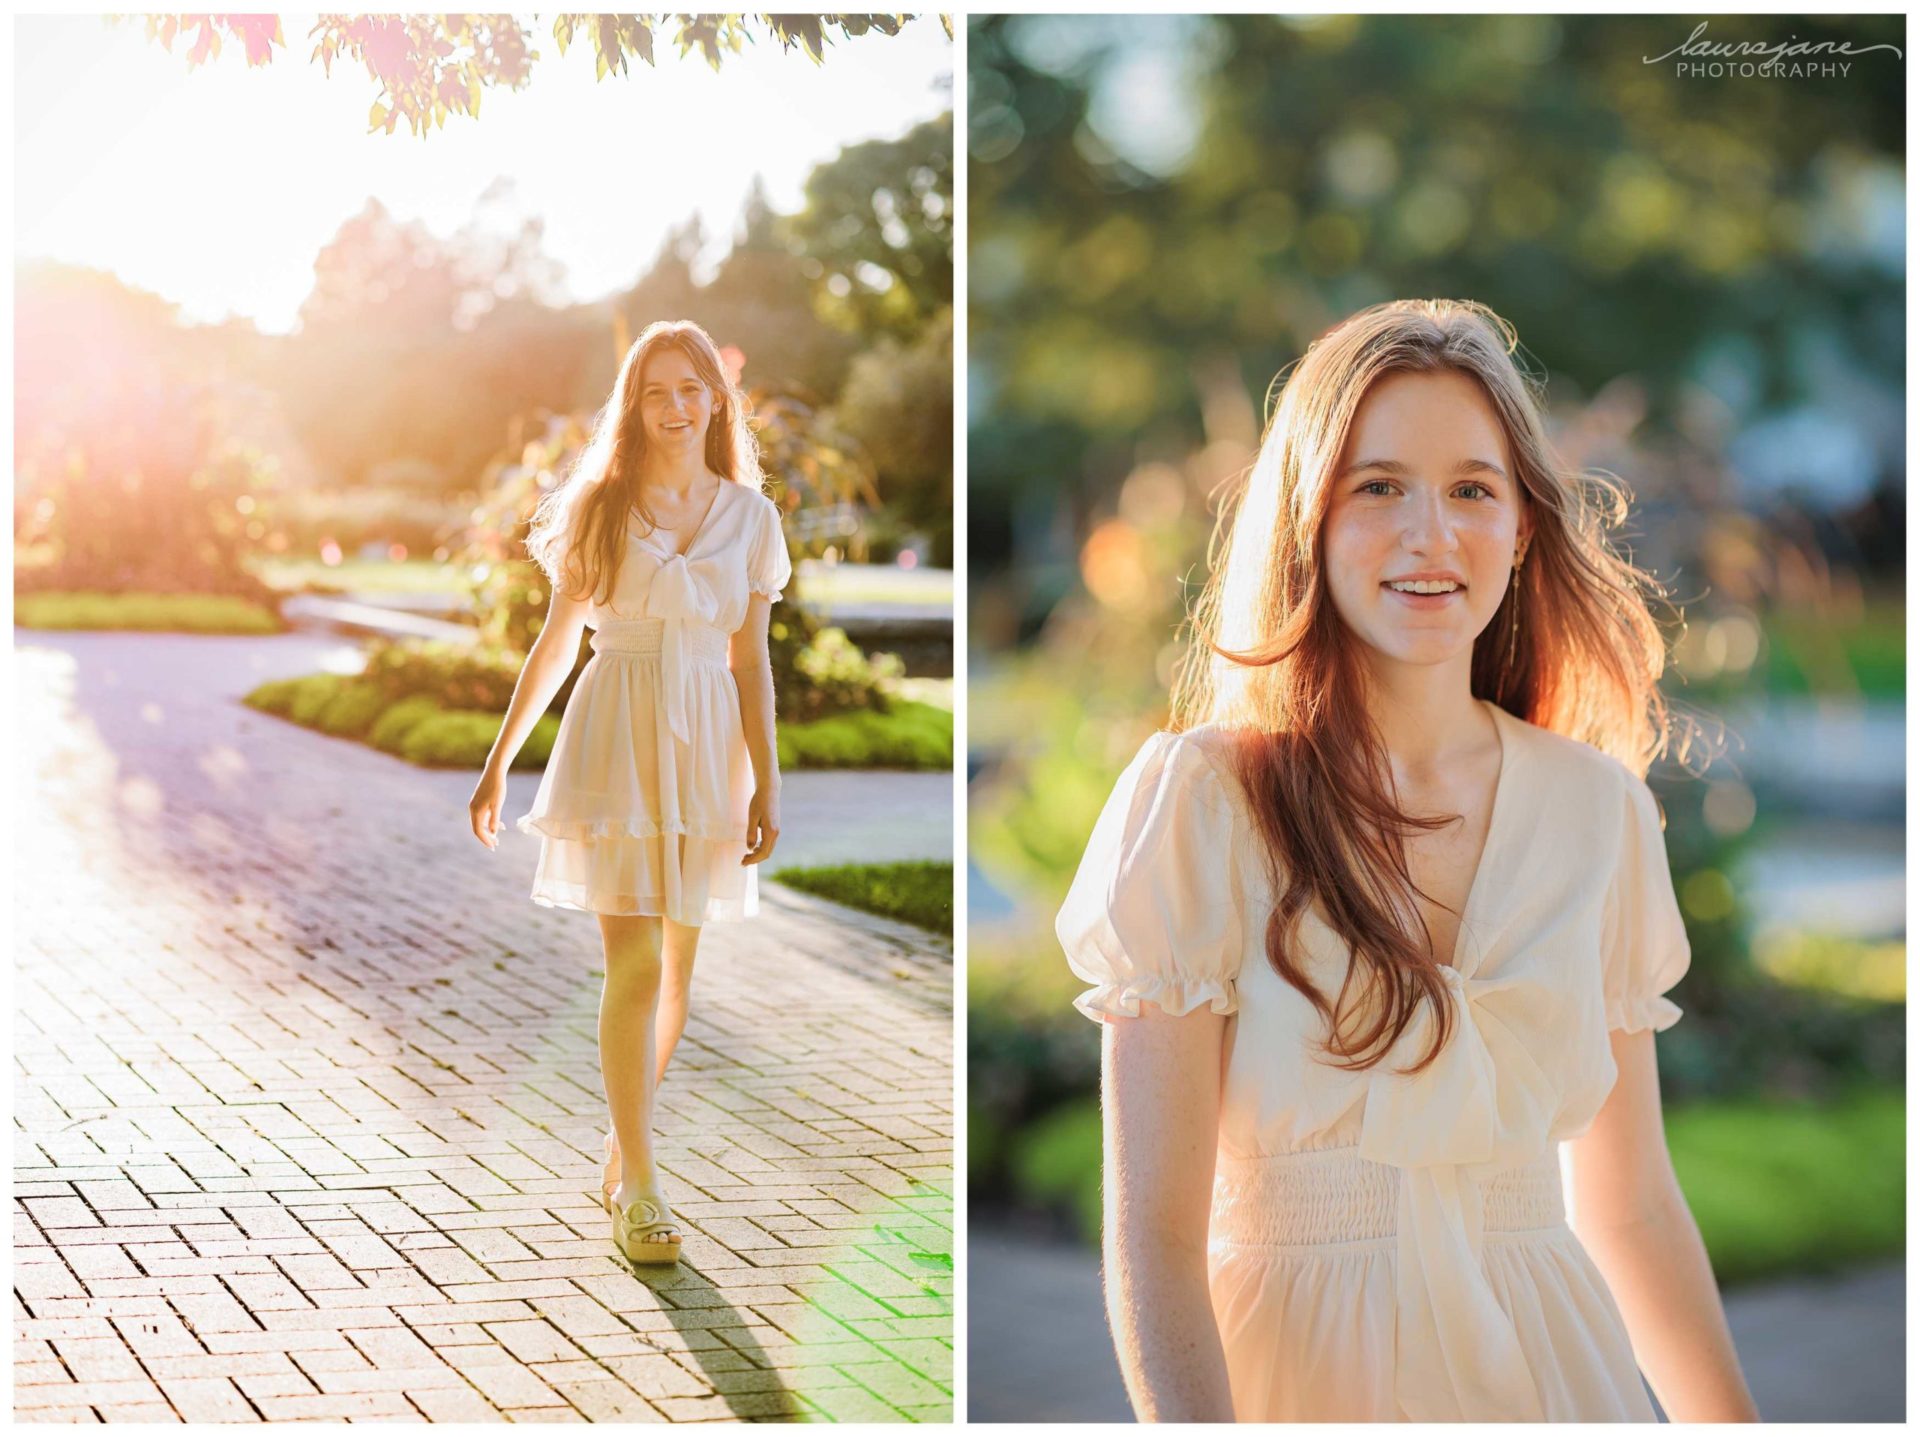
(1424, 586)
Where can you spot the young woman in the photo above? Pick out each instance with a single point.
(1385, 920)
(663, 790)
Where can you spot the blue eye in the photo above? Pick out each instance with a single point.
(1485, 492)
(1376, 486)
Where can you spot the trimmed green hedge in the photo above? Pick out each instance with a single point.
(423, 730)
(908, 735)
(145, 613)
(417, 729)
(917, 893)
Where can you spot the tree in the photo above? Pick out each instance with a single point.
(898, 403)
(413, 347)
(1694, 234)
(427, 67)
(877, 231)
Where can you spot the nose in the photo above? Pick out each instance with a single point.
(1429, 529)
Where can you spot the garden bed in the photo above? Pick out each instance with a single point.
(423, 730)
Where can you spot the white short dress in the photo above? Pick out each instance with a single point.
(1386, 1247)
(643, 806)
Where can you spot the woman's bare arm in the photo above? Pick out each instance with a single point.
(547, 666)
(752, 669)
(1632, 1218)
(1160, 1100)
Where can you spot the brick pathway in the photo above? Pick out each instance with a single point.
(308, 1115)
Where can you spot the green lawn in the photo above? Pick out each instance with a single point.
(917, 893)
(151, 613)
(1776, 1188)
(1782, 1187)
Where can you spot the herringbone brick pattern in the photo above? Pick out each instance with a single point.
(308, 1113)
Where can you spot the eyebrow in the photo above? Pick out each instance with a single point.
(1394, 466)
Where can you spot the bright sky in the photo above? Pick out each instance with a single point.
(216, 187)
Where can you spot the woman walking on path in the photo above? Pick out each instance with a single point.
(1385, 921)
(663, 789)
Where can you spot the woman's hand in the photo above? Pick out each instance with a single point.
(763, 824)
(489, 796)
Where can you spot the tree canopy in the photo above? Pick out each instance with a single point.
(426, 68)
(1158, 200)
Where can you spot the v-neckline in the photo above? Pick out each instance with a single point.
(698, 529)
(1499, 717)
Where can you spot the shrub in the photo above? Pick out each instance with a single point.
(457, 739)
(352, 710)
(453, 675)
(462, 739)
(129, 484)
(391, 729)
(274, 697)
(312, 696)
(840, 678)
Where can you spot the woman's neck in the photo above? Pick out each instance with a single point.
(1426, 714)
(681, 476)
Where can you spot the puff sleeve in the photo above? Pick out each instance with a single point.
(1154, 911)
(768, 566)
(1644, 949)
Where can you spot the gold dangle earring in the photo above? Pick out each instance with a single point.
(1513, 607)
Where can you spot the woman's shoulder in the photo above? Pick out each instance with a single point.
(1194, 763)
(756, 500)
(1568, 766)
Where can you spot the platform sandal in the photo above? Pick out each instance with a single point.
(640, 1230)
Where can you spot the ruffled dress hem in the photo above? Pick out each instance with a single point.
(575, 898)
(579, 830)
(1174, 997)
(1634, 1015)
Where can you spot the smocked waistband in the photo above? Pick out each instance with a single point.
(704, 643)
(1334, 1196)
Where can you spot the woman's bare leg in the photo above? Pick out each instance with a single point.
(677, 983)
(629, 998)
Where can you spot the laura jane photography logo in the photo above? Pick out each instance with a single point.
(1697, 57)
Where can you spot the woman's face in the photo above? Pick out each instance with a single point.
(676, 406)
(1424, 519)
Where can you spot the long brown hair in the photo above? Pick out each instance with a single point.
(1272, 662)
(578, 534)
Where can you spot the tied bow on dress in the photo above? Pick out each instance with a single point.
(1459, 1355)
(677, 600)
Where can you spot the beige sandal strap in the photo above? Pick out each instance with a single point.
(649, 1215)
